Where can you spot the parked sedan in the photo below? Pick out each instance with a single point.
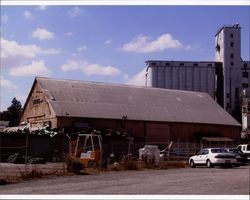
(240, 156)
(213, 157)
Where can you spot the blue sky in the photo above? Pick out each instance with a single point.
(105, 43)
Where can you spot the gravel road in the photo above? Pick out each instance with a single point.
(197, 181)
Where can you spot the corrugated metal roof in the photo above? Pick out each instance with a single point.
(112, 101)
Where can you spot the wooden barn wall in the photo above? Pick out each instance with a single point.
(184, 132)
(158, 131)
(194, 132)
(37, 110)
(135, 128)
(144, 132)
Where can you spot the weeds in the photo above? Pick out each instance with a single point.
(32, 171)
(140, 165)
(173, 164)
(115, 167)
(32, 174)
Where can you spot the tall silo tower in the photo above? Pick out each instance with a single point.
(228, 52)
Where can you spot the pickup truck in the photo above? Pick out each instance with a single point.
(245, 148)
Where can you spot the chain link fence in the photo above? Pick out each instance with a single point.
(172, 151)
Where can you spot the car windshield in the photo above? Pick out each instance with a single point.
(234, 150)
(219, 151)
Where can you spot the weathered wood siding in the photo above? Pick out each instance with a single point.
(37, 110)
(158, 132)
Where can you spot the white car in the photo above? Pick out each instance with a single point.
(213, 157)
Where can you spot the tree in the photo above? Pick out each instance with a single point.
(13, 113)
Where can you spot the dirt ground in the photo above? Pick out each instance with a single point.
(188, 181)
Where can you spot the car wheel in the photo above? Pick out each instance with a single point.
(192, 165)
(209, 164)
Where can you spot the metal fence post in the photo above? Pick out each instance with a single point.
(26, 149)
(178, 147)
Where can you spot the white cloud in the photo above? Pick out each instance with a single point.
(6, 84)
(109, 41)
(69, 34)
(74, 12)
(51, 51)
(138, 79)
(13, 54)
(36, 68)
(197, 47)
(71, 65)
(13, 49)
(42, 7)
(27, 14)
(90, 69)
(4, 18)
(143, 44)
(125, 77)
(82, 48)
(42, 34)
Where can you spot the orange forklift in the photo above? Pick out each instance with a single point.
(85, 152)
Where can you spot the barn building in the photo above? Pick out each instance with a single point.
(151, 115)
